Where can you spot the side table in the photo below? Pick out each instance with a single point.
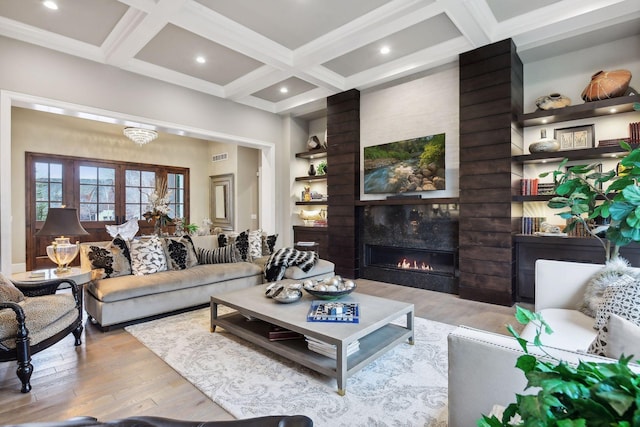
(79, 275)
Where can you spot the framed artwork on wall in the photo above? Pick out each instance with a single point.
(575, 138)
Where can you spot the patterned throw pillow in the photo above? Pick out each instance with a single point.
(623, 338)
(112, 260)
(180, 252)
(222, 255)
(622, 299)
(147, 256)
(8, 291)
(242, 243)
(268, 244)
(610, 274)
(255, 244)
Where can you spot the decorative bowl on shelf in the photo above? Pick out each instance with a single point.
(331, 288)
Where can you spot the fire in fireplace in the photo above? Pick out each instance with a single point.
(420, 260)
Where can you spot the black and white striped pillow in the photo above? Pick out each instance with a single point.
(222, 255)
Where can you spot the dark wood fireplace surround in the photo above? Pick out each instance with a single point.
(491, 95)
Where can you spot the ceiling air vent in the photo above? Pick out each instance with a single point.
(220, 157)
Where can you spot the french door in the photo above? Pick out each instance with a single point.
(104, 192)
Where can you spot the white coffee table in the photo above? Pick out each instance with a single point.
(376, 333)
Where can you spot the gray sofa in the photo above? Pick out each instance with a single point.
(125, 299)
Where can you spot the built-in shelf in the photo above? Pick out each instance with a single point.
(312, 178)
(622, 104)
(581, 154)
(313, 203)
(312, 154)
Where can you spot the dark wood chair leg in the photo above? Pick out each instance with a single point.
(77, 333)
(25, 368)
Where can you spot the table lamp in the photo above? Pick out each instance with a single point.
(62, 222)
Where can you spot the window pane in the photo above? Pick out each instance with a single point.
(132, 178)
(42, 208)
(132, 195)
(148, 179)
(55, 172)
(107, 176)
(88, 212)
(106, 212)
(42, 171)
(88, 193)
(88, 175)
(42, 191)
(107, 194)
(56, 192)
(133, 211)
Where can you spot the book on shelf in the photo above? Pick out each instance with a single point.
(531, 225)
(529, 186)
(329, 350)
(334, 311)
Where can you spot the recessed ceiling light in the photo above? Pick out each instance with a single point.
(284, 90)
(201, 59)
(613, 110)
(385, 50)
(50, 4)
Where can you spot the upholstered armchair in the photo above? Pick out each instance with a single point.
(33, 317)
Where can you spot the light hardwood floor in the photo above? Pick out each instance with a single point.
(112, 375)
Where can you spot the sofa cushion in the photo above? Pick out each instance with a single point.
(180, 252)
(125, 287)
(112, 259)
(222, 255)
(44, 316)
(622, 300)
(8, 291)
(623, 338)
(147, 256)
(321, 267)
(572, 330)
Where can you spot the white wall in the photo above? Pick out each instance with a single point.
(52, 78)
(426, 106)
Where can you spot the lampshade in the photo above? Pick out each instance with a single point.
(62, 222)
(139, 135)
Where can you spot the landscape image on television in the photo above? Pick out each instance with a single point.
(412, 165)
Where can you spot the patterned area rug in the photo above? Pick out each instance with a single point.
(405, 387)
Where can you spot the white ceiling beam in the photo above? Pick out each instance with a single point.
(472, 19)
(173, 77)
(27, 33)
(303, 98)
(254, 81)
(431, 57)
(139, 29)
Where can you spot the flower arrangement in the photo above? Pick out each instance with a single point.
(158, 206)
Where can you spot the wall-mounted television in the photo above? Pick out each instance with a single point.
(409, 166)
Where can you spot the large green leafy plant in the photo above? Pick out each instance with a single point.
(587, 395)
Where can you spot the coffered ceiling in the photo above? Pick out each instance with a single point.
(252, 49)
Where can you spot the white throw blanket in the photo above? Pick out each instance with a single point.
(283, 258)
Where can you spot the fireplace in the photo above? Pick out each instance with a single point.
(411, 245)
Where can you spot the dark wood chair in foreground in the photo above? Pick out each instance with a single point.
(33, 317)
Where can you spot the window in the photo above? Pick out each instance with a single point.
(105, 192)
(48, 188)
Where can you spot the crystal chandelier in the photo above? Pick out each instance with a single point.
(140, 136)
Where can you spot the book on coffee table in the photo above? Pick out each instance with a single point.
(334, 311)
(277, 333)
(329, 350)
